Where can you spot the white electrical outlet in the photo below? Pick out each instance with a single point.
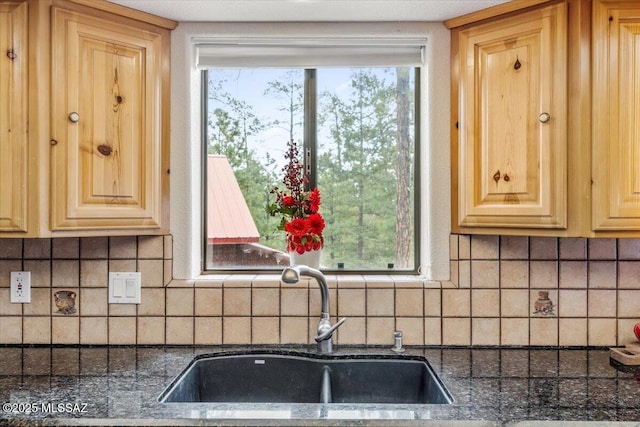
(21, 287)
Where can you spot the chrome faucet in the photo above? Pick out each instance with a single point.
(325, 328)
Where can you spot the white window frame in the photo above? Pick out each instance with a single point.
(186, 138)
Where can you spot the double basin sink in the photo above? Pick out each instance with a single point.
(297, 377)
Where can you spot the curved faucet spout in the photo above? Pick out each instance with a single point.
(292, 275)
(325, 329)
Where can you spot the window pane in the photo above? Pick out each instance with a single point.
(251, 116)
(365, 153)
(365, 166)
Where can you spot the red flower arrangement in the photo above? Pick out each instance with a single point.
(299, 208)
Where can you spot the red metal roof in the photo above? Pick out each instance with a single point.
(228, 217)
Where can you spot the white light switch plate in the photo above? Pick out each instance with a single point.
(124, 288)
(21, 287)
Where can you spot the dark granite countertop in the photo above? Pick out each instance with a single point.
(120, 386)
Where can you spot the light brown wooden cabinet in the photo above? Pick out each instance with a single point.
(13, 116)
(593, 190)
(108, 163)
(616, 115)
(512, 120)
(98, 114)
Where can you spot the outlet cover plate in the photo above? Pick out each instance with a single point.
(21, 287)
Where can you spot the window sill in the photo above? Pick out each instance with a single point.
(333, 281)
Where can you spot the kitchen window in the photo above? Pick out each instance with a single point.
(353, 109)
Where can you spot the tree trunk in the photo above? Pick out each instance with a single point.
(403, 170)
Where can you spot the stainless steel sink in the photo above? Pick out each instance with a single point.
(296, 377)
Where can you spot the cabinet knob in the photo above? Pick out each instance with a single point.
(74, 117)
(544, 117)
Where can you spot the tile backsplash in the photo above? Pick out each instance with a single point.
(512, 291)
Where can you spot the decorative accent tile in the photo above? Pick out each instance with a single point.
(543, 303)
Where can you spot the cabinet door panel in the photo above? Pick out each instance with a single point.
(512, 165)
(106, 166)
(616, 125)
(13, 116)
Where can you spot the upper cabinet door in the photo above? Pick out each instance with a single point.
(616, 115)
(13, 116)
(107, 88)
(512, 121)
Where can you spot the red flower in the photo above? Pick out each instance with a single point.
(297, 227)
(315, 223)
(288, 201)
(314, 199)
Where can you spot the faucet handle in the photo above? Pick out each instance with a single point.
(329, 332)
